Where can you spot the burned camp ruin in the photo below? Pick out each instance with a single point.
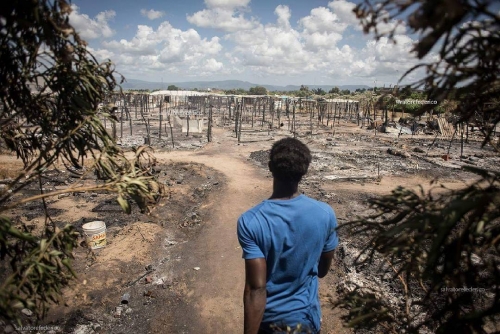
(183, 118)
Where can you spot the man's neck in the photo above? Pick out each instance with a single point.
(284, 190)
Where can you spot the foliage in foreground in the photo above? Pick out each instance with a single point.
(437, 255)
(429, 248)
(50, 90)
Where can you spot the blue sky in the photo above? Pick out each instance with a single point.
(262, 41)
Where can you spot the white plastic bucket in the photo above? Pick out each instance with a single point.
(95, 232)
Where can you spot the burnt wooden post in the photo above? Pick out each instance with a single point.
(340, 113)
(146, 122)
(257, 110)
(209, 130)
(219, 105)
(363, 112)
(319, 108)
(386, 117)
(467, 131)
(241, 119)
(129, 120)
(244, 114)
(179, 107)
(272, 113)
(121, 117)
(171, 131)
(310, 120)
(263, 113)
(325, 111)
(288, 112)
(141, 107)
(205, 106)
(357, 112)
(334, 114)
(148, 126)
(160, 116)
(113, 124)
(279, 113)
(209, 127)
(135, 107)
(223, 116)
(328, 109)
(236, 119)
(333, 121)
(253, 110)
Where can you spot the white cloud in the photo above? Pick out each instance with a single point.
(384, 58)
(160, 49)
(322, 20)
(386, 51)
(220, 18)
(225, 15)
(143, 43)
(101, 54)
(344, 11)
(92, 28)
(226, 3)
(313, 46)
(284, 14)
(319, 41)
(213, 65)
(323, 28)
(169, 43)
(152, 14)
(273, 48)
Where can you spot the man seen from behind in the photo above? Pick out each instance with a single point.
(288, 242)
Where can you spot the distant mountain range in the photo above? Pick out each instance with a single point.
(225, 85)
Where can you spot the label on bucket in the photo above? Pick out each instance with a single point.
(97, 240)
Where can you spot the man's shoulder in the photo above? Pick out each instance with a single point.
(251, 213)
(319, 204)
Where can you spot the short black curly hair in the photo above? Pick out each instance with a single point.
(289, 159)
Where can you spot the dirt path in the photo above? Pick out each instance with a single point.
(212, 296)
(214, 293)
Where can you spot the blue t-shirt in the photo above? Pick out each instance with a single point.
(290, 235)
